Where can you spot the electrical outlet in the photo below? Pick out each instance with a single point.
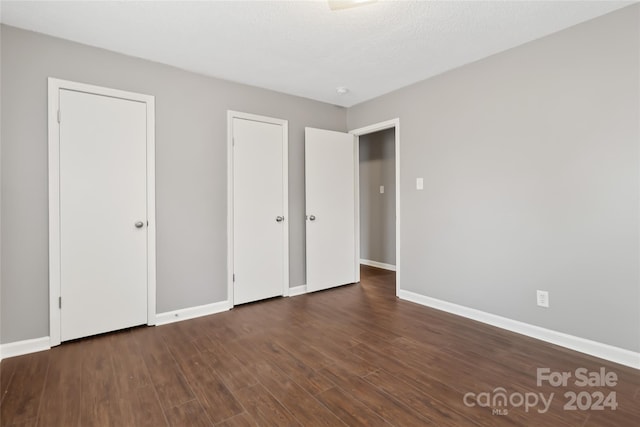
(382, 189)
(542, 297)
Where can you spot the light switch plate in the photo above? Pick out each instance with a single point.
(419, 183)
(382, 189)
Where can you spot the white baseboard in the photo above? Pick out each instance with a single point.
(192, 312)
(593, 348)
(19, 348)
(298, 290)
(40, 344)
(378, 264)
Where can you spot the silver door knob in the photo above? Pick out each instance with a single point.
(312, 217)
(279, 218)
(139, 224)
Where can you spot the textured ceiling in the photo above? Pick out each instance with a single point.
(302, 47)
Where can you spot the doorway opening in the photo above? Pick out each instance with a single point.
(377, 194)
(378, 199)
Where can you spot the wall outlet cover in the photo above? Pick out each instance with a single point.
(542, 298)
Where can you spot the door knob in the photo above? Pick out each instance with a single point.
(312, 217)
(279, 218)
(139, 224)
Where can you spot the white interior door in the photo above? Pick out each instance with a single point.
(330, 208)
(260, 237)
(103, 213)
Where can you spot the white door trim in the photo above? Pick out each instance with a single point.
(389, 124)
(55, 85)
(285, 191)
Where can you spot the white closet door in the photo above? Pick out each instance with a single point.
(330, 208)
(259, 209)
(103, 214)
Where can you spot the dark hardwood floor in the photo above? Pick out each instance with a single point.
(351, 356)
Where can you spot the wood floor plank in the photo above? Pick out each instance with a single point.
(301, 373)
(7, 369)
(172, 387)
(170, 384)
(264, 408)
(304, 407)
(240, 420)
(27, 423)
(331, 346)
(244, 351)
(350, 410)
(227, 366)
(97, 373)
(386, 406)
(60, 404)
(188, 414)
(145, 408)
(179, 342)
(100, 403)
(22, 398)
(418, 400)
(211, 392)
(306, 377)
(109, 412)
(130, 370)
(308, 355)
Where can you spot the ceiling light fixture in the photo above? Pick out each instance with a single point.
(342, 90)
(346, 4)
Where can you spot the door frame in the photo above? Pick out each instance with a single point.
(388, 124)
(54, 87)
(230, 193)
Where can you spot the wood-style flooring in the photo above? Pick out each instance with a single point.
(350, 356)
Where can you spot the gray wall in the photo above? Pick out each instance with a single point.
(531, 181)
(1, 126)
(190, 177)
(378, 211)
